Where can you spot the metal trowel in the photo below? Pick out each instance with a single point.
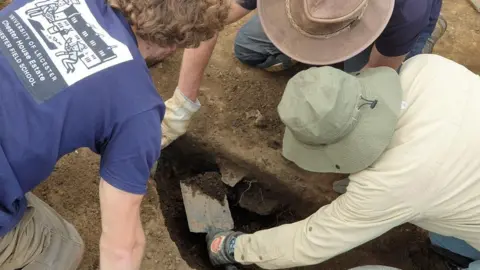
(205, 213)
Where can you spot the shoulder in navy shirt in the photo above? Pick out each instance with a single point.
(72, 77)
(409, 19)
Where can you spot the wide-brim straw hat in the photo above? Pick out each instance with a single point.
(324, 32)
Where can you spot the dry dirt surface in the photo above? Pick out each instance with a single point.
(461, 42)
(235, 93)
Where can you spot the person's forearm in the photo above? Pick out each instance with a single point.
(122, 241)
(351, 220)
(139, 248)
(194, 63)
(112, 257)
(195, 60)
(378, 60)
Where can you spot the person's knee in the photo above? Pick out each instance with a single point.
(241, 54)
(75, 237)
(252, 46)
(74, 250)
(66, 247)
(245, 54)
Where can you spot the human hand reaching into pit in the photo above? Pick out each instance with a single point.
(221, 246)
(178, 114)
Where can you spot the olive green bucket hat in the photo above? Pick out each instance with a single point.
(339, 122)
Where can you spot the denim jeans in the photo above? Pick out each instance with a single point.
(457, 246)
(254, 48)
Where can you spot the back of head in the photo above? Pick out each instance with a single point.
(180, 23)
(4, 3)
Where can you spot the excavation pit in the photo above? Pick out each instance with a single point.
(404, 247)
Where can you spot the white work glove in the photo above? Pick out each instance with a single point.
(178, 113)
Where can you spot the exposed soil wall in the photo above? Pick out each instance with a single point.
(404, 247)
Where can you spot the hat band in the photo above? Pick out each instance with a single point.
(342, 29)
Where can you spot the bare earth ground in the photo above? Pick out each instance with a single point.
(236, 89)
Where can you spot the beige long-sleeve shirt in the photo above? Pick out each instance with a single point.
(428, 176)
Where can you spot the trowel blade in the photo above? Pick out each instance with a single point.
(204, 212)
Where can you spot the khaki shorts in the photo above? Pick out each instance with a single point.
(42, 240)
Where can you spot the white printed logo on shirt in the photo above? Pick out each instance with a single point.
(52, 44)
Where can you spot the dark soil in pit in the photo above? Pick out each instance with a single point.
(210, 184)
(200, 168)
(404, 247)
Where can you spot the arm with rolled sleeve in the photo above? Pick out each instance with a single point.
(130, 152)
(363, 213)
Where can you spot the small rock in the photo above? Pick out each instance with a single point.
(274, 144)
(148, 255)
(259, 121)
(256, 199)
(252, 114)
(231, 172)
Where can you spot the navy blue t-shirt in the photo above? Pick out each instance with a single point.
(71, 76)
(408, 20)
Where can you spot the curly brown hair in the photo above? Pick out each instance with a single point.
(183, 23)
(4, 3)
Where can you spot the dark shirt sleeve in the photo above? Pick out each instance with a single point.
(248, 4)
(408, 20)
(131, 151)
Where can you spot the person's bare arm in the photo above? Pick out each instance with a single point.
(196, 60)
(379, 60)
(122, 241)
(184, 103)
